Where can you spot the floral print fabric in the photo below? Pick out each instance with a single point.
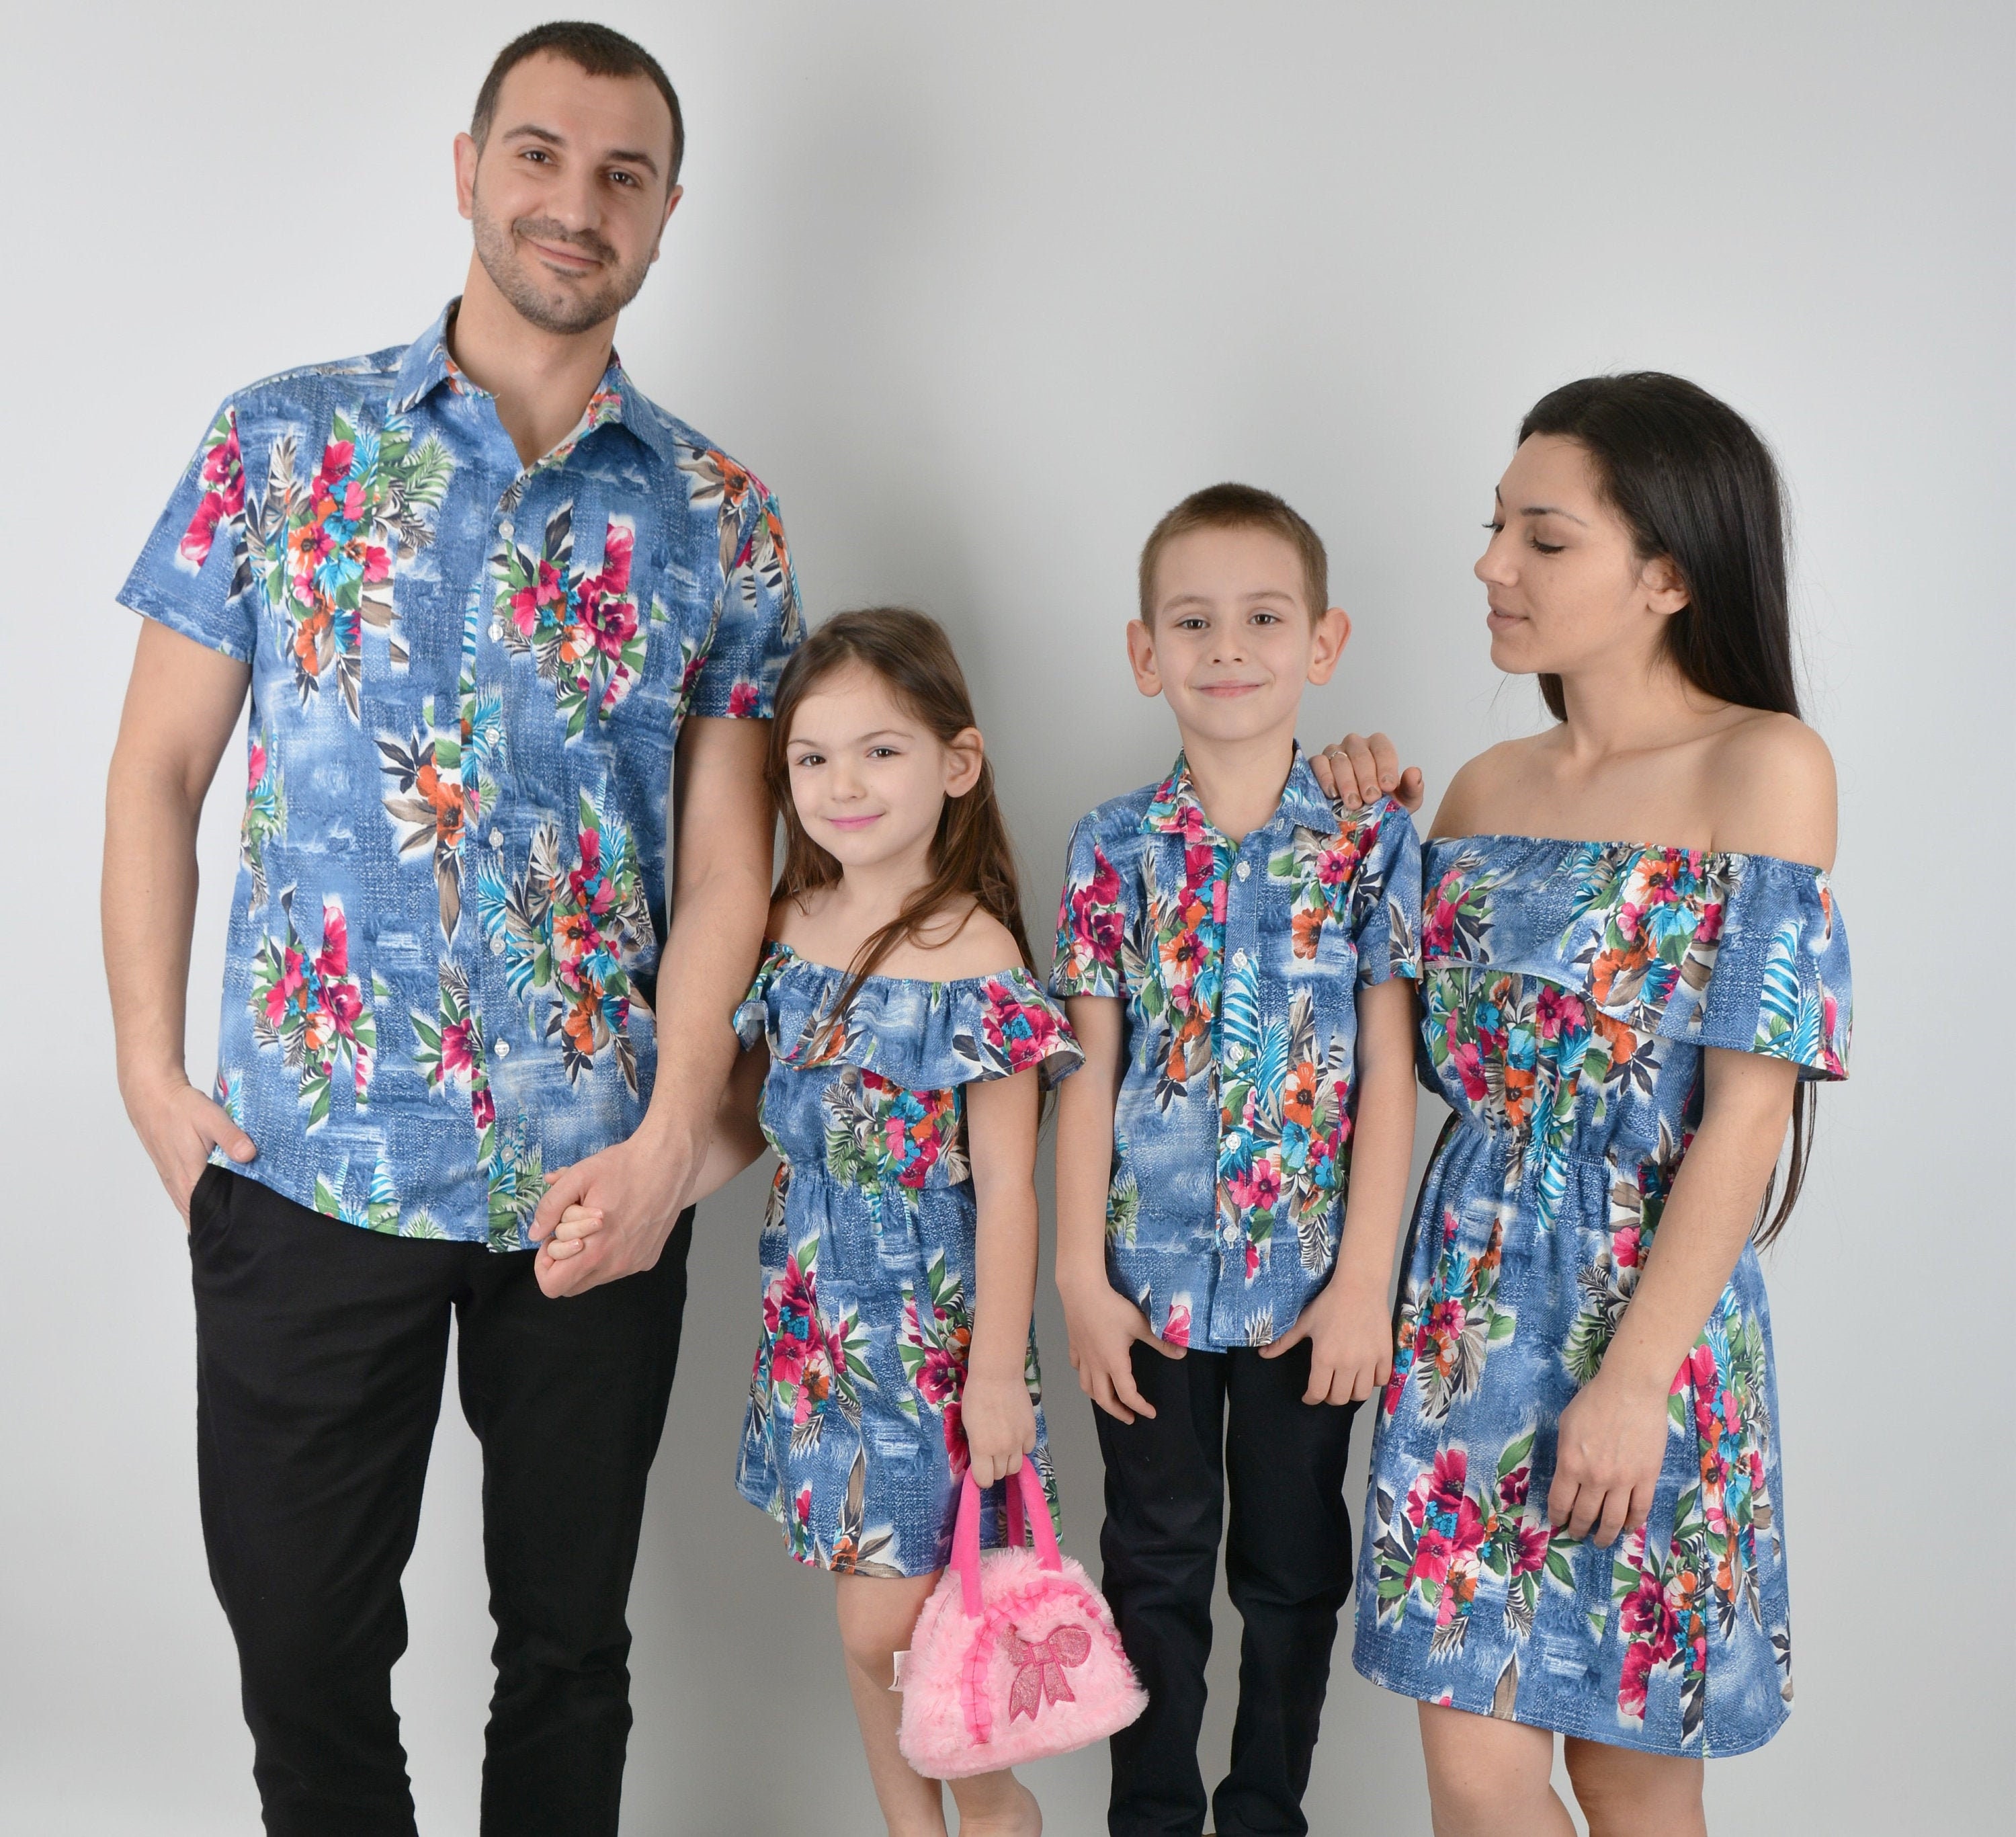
(852, 1439)
(1569, 989)
(467, 680)
(1240, 967)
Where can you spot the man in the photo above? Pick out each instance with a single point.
(490, 604)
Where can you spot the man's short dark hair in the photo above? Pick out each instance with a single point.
(593, 49)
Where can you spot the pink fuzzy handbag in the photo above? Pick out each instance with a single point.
(1015, 1656)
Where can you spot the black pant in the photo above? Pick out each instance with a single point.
(320, 1353)
(1287, 1565)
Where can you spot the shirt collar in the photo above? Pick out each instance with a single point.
(1176, 809)
(617, 401)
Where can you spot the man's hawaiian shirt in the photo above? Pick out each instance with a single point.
(1239, 964)
(468, 678)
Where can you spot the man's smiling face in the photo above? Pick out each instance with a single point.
(570, 191)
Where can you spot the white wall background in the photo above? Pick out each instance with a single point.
(982, 291)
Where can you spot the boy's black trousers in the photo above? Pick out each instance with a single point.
(1225, 1421)
(321, 1349)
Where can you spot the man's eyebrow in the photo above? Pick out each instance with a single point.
(624, 155)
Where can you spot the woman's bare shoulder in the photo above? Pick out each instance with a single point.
(1476, 801)
(1771, 780)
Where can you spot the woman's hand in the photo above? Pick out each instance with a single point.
(1612, 1444)
(1000, 1425)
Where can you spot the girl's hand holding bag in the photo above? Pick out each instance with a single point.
(1015, 1656)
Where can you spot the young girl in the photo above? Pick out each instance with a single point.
(897, 1041)
(1574, 1522)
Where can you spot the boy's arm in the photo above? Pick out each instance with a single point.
(1349, 1324)
(1104, 1323)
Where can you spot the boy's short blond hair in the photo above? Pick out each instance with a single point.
(1239, 506)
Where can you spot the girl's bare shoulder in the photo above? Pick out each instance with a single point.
(957, 944)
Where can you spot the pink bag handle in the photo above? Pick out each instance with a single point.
(1027, 1500)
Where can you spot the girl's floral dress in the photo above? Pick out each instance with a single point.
(852, 1439)
(1570, 988)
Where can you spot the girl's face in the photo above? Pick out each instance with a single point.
(1567, 589)
(868, 779)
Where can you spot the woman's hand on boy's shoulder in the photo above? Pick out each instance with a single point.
(1361, 769)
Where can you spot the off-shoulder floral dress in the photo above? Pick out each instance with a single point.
(1569, 991)
(852, 1440)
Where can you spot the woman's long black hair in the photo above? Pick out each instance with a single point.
(1696, 485)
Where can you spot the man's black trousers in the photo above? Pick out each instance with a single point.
(1224, 1417)
(321, 1349)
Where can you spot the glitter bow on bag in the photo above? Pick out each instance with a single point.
(1015, 1656)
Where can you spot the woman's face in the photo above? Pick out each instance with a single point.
(1568, 590)
(868, 777)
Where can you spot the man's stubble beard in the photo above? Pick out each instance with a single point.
(497, 248)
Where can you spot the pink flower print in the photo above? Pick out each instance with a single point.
(1176, 1325)
(1467, 1057)
(1529, 1552)
(482, 1108)
(743, 700)
(1624, 1246)
(456, 1056)
(1024, 1033)
(1252, 1259)
(222, 478)
(956, 1452)
(1557, 1011)
(255, 764)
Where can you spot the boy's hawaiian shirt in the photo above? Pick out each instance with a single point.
(468, 678)
(1239, 965)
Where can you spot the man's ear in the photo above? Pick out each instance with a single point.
(1332, 633)
(1666, 590)
(466, 154)
(671, 204)
(1141, 654)
(969, 753)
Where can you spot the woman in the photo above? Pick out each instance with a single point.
(1562, 1534)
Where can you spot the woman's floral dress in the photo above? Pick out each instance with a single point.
(1570, 988)
(852, 1439)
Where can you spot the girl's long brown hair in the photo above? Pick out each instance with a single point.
(971, 856)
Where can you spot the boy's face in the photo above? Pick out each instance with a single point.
(1233, 641)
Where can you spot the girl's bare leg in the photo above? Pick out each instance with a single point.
(1488, 1778)
(1624, 1793)
(877, 1615)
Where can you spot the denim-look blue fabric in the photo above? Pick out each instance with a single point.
(1569, 991)
(468, 678)
(1241, 966)
(852, 1439)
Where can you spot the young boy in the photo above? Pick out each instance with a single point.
(1238, 957)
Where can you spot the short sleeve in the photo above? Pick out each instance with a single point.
(760, 623)
(1092, 921)
(1780, 984)
(194, 573)
(1004, 1024)
(1386, 896)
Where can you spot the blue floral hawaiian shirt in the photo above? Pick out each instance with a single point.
(1239, 964)
(468, 679)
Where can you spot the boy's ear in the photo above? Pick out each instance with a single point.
(1332, 632)
(1141, 654)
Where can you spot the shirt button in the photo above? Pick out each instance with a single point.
(1239, 958)
(503, 1049)
(497, 632)
(1245, 868)
(497, 947)
(497, 838)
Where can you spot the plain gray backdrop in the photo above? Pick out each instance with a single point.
(982, 291)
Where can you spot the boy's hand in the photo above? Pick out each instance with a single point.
(1358, 771)
(1103, 1325)
(1000, 1425)
(1350, 1332)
